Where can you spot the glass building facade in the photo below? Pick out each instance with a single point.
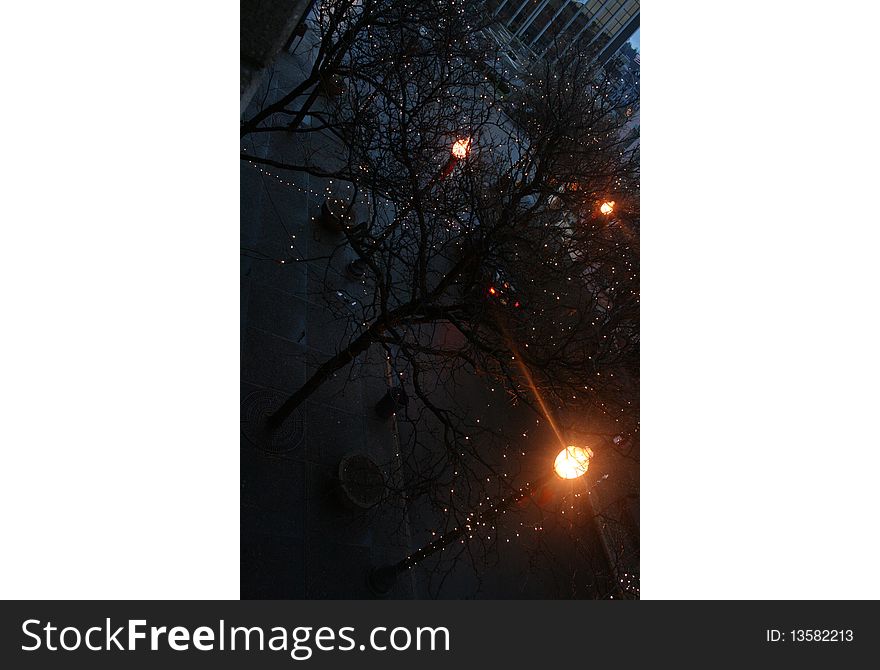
(597, 26)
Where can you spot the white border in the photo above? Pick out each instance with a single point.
(120, 291)
(759, 314)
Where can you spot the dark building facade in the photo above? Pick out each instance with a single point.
(537, 26)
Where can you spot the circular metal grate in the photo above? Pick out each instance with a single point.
(255, 409)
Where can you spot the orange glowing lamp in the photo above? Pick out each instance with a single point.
(461, 148)
(572, 462)
(607, 207)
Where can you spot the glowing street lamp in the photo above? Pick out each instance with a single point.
(460, 150)
(607, 207)
(571, 463)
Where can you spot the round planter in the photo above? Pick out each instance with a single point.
(361, 481)
(333, 213)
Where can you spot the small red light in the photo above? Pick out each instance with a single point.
(492, 290)
(516, 304)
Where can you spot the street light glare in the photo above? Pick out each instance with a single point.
(461, 148)
(572, 462)
(607, 207)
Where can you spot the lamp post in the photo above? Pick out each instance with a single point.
(571, 463)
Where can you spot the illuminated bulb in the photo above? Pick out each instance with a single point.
(572, 462)
(461, 148)
(607, 207)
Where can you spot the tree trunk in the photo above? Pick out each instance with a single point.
(323, 373)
